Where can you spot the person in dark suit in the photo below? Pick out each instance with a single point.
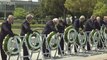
(98, 23)
(104, 22)
(5, 30)
(49, 27)
(25, 28)
(79, 27)
(61, 26)
(89, 26)
(79, 24)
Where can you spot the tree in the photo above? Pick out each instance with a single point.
(80, 6)
(20, 13)
(100, 8)
(53, 8)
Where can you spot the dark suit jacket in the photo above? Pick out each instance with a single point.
(90, 25)
(97, 25)
(104, 24)
(50, 26)
(5, 30)
(61, 27)
(25, 28)
(78, 24)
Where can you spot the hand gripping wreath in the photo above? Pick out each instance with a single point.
(34, 41)
(82, 38)
(11, 45)
(53, 40)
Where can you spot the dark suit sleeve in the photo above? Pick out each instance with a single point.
(97, 25)
(86, 26)
(27, 27)
(7, 30)
(76, 25)
(65, 24)
(89, 26)
(52, 27)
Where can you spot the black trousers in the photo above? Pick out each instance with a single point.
(88, 44)
(100, 45)
(75, 47)
(25, 52)
(3, 55)
(44, 48)
(61, 47)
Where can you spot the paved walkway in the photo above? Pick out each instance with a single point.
(97, 57)
(70, 57)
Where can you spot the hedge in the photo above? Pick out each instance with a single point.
(18, 26)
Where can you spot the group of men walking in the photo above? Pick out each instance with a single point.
(56, 25)
(87, 25)
(6, 30)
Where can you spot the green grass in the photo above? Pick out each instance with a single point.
(16, 27)
(18, 31)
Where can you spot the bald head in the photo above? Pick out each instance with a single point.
(10, 19)
(98, 18)
(56, 21)
(82, 18)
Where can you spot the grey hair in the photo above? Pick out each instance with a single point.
(28, 16)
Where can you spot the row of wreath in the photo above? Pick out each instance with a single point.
(12, 45)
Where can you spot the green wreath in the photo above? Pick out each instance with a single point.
(102, 28)
(105, 30)
(72, 35)
(53, 39)
(82, 38)
(34, 41)
(11, 45)
(105, 33)
(96, 37)
(91, 35)
(66, 33)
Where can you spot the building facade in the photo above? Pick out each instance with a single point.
(8, 6)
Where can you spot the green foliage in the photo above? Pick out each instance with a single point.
(17, 24)
(80, 6)
(88, 7)
(53, 8)
(20, 13)
(100, 9)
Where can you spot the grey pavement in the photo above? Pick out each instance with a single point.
(66, 57)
